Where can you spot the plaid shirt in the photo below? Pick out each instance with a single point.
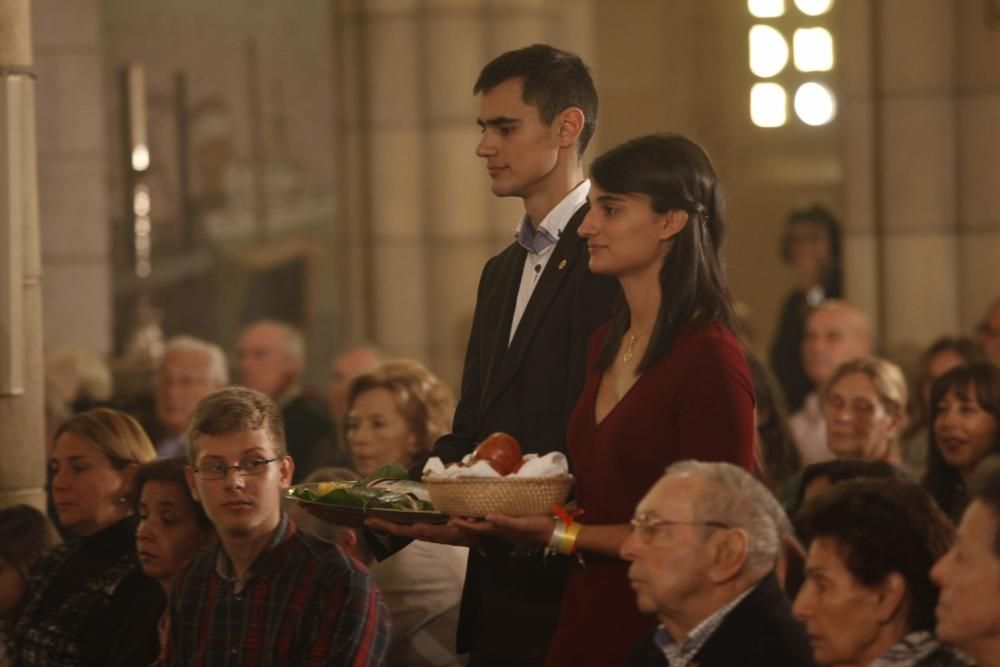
(681, 655)
(302, 602)
(921, 649)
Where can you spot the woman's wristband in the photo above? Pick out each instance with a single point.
(563, 538)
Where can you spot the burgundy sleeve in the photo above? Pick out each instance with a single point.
(717, 405)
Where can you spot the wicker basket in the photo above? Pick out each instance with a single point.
(516, 496)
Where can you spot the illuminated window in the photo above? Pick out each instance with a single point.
(140, 158)
(802, 35)
(814, 104)
(768, 103)
(768, 51)
(140, 201)
(813, 7)
(766, 9)
(813, 49)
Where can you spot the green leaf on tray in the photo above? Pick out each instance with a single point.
(304, 494)
(388, 471)
(343, 497)
(361, 496)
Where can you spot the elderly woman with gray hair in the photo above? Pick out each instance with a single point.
(864, 404)
(864, 407)
(395, 412)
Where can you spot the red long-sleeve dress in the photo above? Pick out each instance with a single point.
(695, 402)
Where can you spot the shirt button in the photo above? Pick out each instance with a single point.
(235, 651)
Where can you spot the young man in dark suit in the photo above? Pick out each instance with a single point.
(536, 308)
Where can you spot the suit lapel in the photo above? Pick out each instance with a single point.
(509, 282)
(560, 265)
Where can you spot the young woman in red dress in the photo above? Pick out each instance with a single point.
(668, 380)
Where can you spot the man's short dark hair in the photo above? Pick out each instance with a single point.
(843, 470)
(235, 410)
(552, 81)
(986, 489)
(883, 526)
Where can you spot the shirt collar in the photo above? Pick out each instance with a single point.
(813, 406)
(552, 225)
(681, 654)
(224, 566)
(914, 648)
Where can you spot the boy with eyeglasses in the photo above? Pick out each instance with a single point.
(267, 594)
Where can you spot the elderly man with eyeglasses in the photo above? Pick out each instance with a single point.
(268, 593)
(703, 548)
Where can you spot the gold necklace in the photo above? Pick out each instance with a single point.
(627, 357)
(630, 345)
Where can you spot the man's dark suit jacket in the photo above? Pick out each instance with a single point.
(309, 434)
(759, 632)
(510, 604)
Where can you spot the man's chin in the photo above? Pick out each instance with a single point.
(238, 526)
(944, 632)
(501, 189)
(239, 531)
(645, 604)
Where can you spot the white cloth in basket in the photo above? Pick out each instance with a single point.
(553, 464)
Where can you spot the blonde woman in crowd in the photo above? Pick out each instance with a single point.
(81, 591)
(395, 413)
(864, 404)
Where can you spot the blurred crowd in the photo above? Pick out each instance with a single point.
(727, 510)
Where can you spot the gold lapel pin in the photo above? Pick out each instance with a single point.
(562, 265)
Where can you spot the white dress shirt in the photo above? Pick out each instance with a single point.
(808, 429)
(534, 263)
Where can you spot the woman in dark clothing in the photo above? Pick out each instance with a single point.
(776, 458)
(811, 246)
(172, 529)
(667, 379)
(79, 594)
(965, 429)
(25, 536)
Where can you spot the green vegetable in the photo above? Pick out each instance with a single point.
(388, 471)
(366, 493)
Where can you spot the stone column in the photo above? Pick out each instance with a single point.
(417, 220)
(22, 451)
(900, 160)
(977, 168)
(73, 181)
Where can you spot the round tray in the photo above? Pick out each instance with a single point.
(516, 496)
(353, 516)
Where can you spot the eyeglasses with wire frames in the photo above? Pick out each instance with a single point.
(246, 467)
(648, 525)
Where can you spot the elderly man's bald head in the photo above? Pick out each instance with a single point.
(836, 332)
(271, 357)
(350, 364)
